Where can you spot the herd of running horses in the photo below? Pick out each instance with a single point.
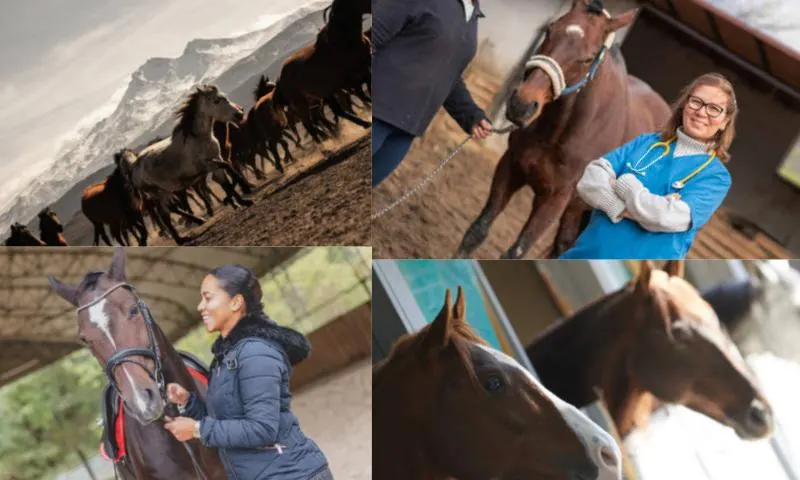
(214, 138)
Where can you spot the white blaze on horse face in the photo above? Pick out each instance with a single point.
(598, 443)
(101, 319)
(575, 30)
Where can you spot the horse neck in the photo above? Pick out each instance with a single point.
(174, 369)
(572, 356)
(399, 443)
(203, 126)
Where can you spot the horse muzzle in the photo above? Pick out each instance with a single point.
(758, 422)
(519, 112)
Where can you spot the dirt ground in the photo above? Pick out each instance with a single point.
(324, 199)
(432, 223)
(336, 412)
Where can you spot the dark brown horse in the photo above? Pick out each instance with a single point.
(21, 236)
(115, 203)
(139, 361)
(575, 104)
(446, 405)
(654, 340)
(50, 228)
(316, 72)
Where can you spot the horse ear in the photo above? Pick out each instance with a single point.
(117, 269)
(622, 20)
(460, 308)
(438, 335)
(643, 278)
(63, 290)
(674, 268)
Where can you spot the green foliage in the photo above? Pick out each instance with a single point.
(47, 415)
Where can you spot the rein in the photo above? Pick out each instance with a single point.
(413, 191)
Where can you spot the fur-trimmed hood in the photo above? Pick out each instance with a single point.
(294, 344)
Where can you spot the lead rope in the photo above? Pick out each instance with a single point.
(429, 177)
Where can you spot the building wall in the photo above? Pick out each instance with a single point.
(767, 126)
(336, 345)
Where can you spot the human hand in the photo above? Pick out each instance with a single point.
(177, 394)
(182, 428)
(482, 129)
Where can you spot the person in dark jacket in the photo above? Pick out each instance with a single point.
(246, 414)
(421, 48)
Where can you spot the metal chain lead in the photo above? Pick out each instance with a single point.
(433, 173)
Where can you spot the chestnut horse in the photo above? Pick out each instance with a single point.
(114, 202)
(116, 326)
(656, 339)
(21, 236)
(446, 405)
(317, 72)
(574, 105)
(50, 228)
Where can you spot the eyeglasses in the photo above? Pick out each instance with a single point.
(712, 109)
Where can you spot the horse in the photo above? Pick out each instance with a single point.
(116, 203)
(264, 87)
(139, 361)
(447, 405)
(191, 152)
(50, 228)
(21, 236)
(314, 73)
(653, 340)
(561, 129)
(761, 312)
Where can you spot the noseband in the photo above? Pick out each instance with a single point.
(553, 70)
(122, 356)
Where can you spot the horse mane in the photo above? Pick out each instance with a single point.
(326, 12)
(595, 7)
(263, 87)
(187, 112)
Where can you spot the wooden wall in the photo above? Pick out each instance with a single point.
(336, 345)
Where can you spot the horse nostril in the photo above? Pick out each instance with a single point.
(759, 414)
(150, 394)
(608, 458)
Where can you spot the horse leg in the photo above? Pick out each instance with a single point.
(547, 208)
(100, 232)
(274, 149)
(506, 182)
(569, 229)
(166, 222)
(288, 157)
(220, 169)
(339, 111)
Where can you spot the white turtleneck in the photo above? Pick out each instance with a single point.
(686, 145)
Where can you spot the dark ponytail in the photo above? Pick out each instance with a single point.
(238, 280)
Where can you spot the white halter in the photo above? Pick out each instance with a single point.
(553, 70)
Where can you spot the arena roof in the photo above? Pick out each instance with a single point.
(37, 327)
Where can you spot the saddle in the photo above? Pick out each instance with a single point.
(112, 443)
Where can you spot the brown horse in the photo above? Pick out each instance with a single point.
(116, 326)
(574, 105)
(446, 405)
(315, 73)
(50, 228)
(21, 236)
(114, 202)
(655, 339)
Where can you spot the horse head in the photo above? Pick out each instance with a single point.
(112, 324)
(574, 47)
(682, 355)
(206, 102)
(465, 410)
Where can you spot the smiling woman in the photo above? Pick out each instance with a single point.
(651, 195)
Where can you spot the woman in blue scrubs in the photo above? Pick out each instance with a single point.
(651, 195)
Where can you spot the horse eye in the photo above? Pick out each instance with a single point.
(134, 311)
(493, 384)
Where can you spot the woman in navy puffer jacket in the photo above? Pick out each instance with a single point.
(246, 414)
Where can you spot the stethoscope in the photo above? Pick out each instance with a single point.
(678, 184)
